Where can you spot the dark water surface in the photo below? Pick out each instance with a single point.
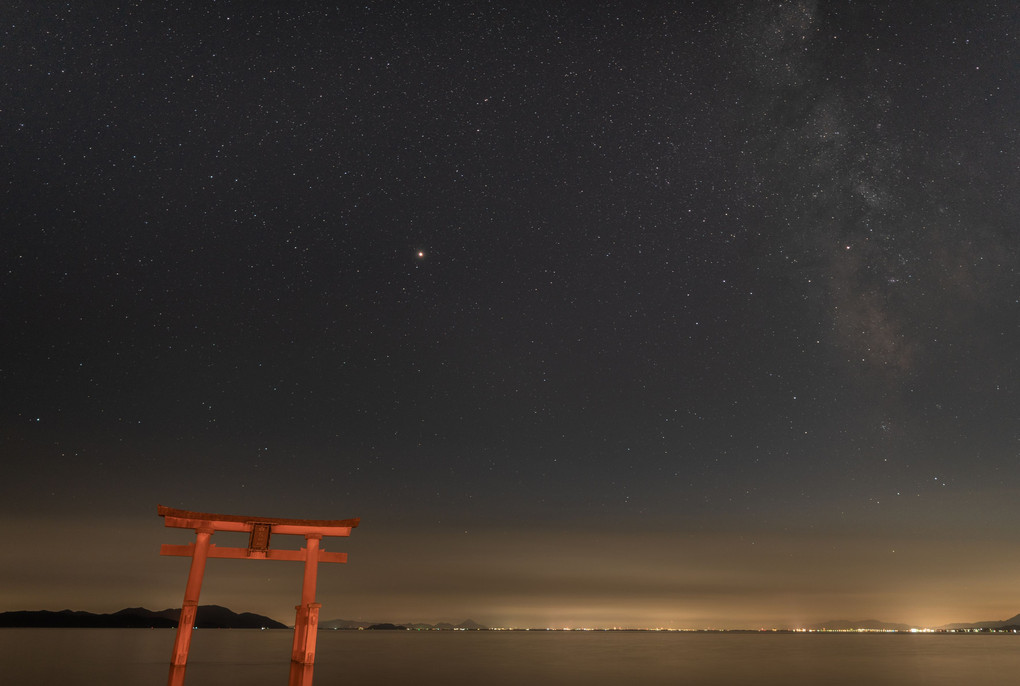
(90, 657)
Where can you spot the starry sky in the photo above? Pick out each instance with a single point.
(597, 314)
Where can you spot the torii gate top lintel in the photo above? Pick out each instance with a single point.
(186, 519)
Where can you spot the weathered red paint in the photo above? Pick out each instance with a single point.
(261, 529)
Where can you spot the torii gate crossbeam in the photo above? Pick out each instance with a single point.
(260, 529)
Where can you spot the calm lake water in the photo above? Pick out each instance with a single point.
(128, 657)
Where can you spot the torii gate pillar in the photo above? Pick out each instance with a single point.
(260, 529)
(306, 624)
(182, 642)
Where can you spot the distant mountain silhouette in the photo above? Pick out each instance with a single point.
(467, 624)
(990, 624)
(875, 625)
(89, 620)
(208, 617)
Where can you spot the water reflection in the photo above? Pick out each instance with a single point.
(99, 657)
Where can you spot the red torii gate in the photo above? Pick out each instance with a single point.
(259, 529)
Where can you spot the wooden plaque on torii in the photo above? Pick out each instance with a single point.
(260, 530)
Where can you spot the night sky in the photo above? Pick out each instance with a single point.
(631, 314)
